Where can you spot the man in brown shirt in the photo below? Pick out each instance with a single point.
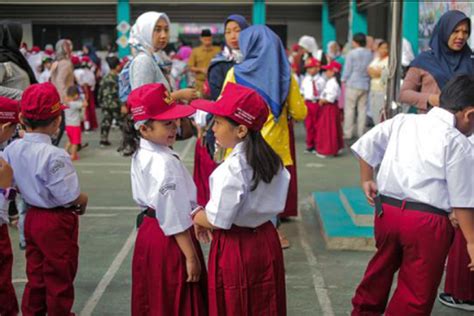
(201, 58)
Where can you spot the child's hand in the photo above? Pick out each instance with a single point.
(203, 234)
(453, 219)
(6, 174)
(370, 191)
(82, 201)
(193, 269)
(123, 110)
(470, 251)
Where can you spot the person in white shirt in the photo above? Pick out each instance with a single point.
(45, 75)
(8, 120)
(311, 87)
(168, 269)
(378, 72)
(329, 140)
(425, 172)
(72, 115)
(246, 191)
(49, 184)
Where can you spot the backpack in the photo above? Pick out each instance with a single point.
(124, 82)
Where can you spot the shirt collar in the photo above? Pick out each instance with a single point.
(443, 115)
(239, 148)
(37, 138)
(147, 145)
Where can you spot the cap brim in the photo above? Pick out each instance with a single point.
(209, 107)
(176, 112)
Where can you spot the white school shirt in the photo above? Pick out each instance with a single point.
(307, 86)
(332, 91)
(422, 158)
(231, 200)
(160, 181)
(43, 173)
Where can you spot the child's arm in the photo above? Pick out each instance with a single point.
(465, 218)
(367, 181)
(193, 266)
(81, 201)
(201, 219)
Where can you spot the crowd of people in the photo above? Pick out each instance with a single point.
(241, 101)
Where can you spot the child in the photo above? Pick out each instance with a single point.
(168, 270)
(313, 83)
(426, 164)
(73, 121)
(246, 269)
(109, 99)
(8, 120)
(46, 70)
(49, 185)
(329, 129)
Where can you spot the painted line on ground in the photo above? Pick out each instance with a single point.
(99, 215)
(113, 208)
(115, 266)
(318, 279)
(102, 164)
(119, 171)
(14, 281)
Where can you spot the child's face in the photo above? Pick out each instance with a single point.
(6, 132)
(312, 70)
(227, 135)
(330, 73)
(161, 132)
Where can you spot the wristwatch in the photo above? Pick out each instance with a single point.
(8, 193)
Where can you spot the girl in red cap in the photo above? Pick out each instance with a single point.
(329, 129)
(243, 281)
(168, 270)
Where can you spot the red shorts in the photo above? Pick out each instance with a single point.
(74, 134)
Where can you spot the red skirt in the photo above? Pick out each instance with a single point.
(204, 165)
(242, 280)
(159, 286)
(310, 123)
(90, 114)
(329, 134)
(8, 302)
(459, 280)
(291, 206)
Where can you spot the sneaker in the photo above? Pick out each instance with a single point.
(448, 300)
(321, 156)
(309, 151)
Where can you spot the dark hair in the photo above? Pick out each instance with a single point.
(34, 124)
(264, 161)
(72, 91)
(131, 136)
(360, 39)
(458, 93)
(113, 62)
(381, 43)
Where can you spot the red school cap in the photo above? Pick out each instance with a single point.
(241, 104)
(333, 65)
(9, 110)
(41, 101)
(153, 102)
(312, 62)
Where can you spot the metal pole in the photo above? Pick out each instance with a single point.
(393, 83)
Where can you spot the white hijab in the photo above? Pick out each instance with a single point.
(141, 34)
(309, 43)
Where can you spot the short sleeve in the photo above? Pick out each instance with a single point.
(459, 169)
(61, 180)
(372, 145)
(170, 200)
(227, 195)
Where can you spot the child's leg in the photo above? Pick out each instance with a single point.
(309, 123)
(426, 240)
(73, 152)
(105, 125)
(372, 293)
(8, 302)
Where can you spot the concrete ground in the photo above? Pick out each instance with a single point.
(319, 282)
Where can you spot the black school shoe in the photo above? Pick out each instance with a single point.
(105, 143)
(448, 300)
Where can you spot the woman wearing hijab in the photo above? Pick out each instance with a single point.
(15, 72)
(428, 73)
(309, 48)
(431, 70)
(204, 163)
(333, 53)
(266, 69)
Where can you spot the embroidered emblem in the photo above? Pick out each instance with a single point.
(168, 99)
(56, 166)
(167, 187)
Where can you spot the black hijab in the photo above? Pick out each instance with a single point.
(10, 40)
(442, 62)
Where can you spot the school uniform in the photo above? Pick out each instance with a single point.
(162, 185)
(329, 129)
(425, 163)
(48, 183)
(242, 280)
(311, 88)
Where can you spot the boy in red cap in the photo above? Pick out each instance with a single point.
(168, 269)
(49, 185)
(243, 281)
(311, 87)
(329, 139)
(8, 120)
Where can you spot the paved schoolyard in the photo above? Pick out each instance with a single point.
(319, 282)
